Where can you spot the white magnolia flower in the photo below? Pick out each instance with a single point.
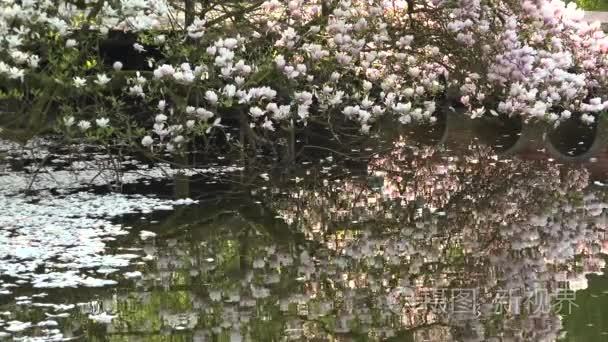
(19, 57)
(256, 112)
(211, 50)
(477, 113)
(84, 125)
(137, 90)
(230, 43)
(211, 96)
(303, 111)
(377, 110)
(138, 47)
(139, 79)
(160, 39)
(301, 68)
(280, 61)
(68, 121)
(79, 82)
(197, 29)
(405, 119)
(229, 91)
(239, 81)
(587, 119)
(272, 107)
(102, 79)
(268, 125)
(204, 114)
(164, 70)
(291, 72)
(102, 122)
(147, 141)
(552, 117)
(160, 118)
(282, 113)
(185, 77)
(402, 108)
(351, 111)
(33, 61)
(13, 41)
(303, 97)
(365, 128)
(70, 43)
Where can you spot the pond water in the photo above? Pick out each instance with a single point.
(459, 232)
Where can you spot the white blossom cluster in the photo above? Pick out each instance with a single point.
(348, 60)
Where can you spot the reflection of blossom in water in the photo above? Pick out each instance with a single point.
(410, 172)
(502, 226)
(517, 245)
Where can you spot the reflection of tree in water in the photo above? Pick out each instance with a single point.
(511, 225)
(385, 259)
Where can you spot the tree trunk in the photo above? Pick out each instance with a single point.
(189, 9)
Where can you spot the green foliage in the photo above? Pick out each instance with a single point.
(588, 320)
(593, 5)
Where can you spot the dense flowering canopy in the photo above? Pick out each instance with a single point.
(286, 62)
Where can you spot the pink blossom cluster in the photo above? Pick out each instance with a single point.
(350, 60)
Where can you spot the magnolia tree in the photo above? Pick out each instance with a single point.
(282, 64)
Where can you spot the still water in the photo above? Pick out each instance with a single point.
(446, 234)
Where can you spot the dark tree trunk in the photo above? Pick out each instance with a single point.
(189, 8)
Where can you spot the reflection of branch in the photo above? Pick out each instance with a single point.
(150, 333)
(332, 151)
(495, 237)
(40, 166)
(425, 326)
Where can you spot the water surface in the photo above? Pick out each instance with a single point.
(459, 232)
